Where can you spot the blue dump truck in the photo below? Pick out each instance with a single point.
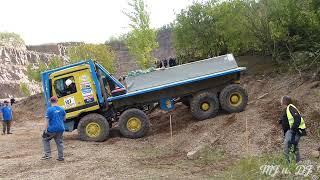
(94, 99)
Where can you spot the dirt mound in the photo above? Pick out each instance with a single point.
(31, 108)
(254, 131)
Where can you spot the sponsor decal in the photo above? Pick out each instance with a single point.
(84, 78)
(69, 102)
(86, 89)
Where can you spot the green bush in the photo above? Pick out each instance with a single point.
(281, 28)
(25, 89)
(35, 73)
(99, 52)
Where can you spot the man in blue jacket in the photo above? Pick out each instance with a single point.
(6, 118)
(54, 129)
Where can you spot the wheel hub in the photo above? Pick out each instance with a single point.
(134, 124)
(235, 99)
(205, 106)
(93, 130)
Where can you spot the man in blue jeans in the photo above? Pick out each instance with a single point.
(293, 126)
(54, 129)
(6, 118)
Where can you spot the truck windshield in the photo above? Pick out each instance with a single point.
(65, 86)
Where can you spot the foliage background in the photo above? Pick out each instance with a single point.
(287, 30)
(34, 73)
(141, 41)
(101, 53)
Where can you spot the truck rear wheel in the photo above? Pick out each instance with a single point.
(93, 127)
(233, 98)
(133, 123)
(204, 105)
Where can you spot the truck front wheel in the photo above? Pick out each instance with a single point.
(204, 105)
(233, 98)
(133, 123)
(93, 127)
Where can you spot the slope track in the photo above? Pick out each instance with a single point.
(254, 131)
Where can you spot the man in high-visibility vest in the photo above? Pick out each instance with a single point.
(293, 126)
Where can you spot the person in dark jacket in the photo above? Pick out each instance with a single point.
(166, 63)
(293, 126)
(172, 62)
(12, 101)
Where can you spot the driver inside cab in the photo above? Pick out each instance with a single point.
(70, 86)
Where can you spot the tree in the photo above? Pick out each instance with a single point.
(34, 73)
(11, 39)
(210, 29)
(98, 52)
(288, 30)
(141, 41)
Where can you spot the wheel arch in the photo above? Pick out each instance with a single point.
(82, 114)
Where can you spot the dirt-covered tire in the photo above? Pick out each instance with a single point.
(204, 105)
(93, 127)
(233, 98)
(133, 123)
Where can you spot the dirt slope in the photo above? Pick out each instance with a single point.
(157, 156)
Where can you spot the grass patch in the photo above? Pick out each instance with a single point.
(208, 160)
(259, 65)
(267, 166)
(317, 92)
(209, 156)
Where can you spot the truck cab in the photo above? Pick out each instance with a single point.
(82, 89)
(75, 90)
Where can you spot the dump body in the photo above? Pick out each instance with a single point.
(177, 89)
(181, 73)
(179, 81)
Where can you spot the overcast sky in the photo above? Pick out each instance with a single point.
(91, 21)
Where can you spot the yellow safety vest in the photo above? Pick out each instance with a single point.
(291, 119)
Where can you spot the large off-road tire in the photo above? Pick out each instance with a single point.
(233, 98)
(133, 123)
(93, 127)
(204, 105)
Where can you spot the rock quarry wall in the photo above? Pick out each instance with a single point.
(13, 70)
(15, 60)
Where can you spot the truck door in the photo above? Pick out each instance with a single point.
(75, 92)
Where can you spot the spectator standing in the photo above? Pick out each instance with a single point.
(54, 128)
(7, 117)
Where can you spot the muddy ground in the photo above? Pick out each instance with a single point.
(156, 156)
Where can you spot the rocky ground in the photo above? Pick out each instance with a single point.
(224, 139)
